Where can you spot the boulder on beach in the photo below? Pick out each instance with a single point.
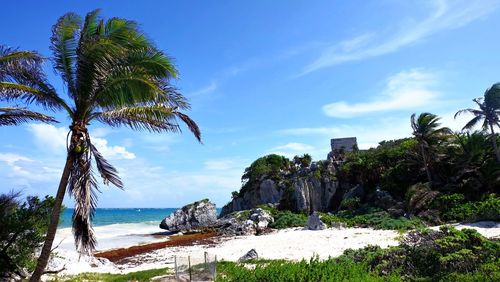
(248, 222)
(252, 254)
(314, 222)
(195, 216)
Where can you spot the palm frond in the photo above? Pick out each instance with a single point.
(16, 116)
(83, 186)
(473, 122)
(108, 172)
(190, 124)
(64, 43)
(156, 118)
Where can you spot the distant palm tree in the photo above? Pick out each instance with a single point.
(428, 133)
(488, 113)
(115, 75)
(20, 72)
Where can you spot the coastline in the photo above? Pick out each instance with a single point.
(290, 244)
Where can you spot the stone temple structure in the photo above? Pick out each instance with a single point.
(340, 146)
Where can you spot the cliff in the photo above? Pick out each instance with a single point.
(306, 189)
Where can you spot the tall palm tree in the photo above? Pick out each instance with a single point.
(20, 71)
(428, 133)
(488, 113)
(115, 75)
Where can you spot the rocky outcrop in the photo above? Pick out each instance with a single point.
(304, 192)
(314, 222)
(195, 216)
(248, 222)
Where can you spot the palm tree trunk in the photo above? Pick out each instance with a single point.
(426, 165)
(54, 221)
(494, 140)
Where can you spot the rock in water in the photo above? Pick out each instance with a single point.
(252, 254)
(195, 216)
(314, 222)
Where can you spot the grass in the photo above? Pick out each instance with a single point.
(313, 270)
(145, 275)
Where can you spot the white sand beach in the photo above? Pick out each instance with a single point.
(290, 244)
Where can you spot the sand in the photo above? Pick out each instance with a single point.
(289, 244)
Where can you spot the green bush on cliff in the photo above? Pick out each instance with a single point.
(488, 209)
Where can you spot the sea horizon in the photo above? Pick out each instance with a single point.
(109, 216)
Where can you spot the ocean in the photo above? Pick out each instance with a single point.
(117, 228)
(104, 216)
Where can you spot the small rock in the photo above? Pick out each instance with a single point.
(252, 254)
(314, 222)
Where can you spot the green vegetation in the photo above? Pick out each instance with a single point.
(287, 219)
(445, 255)
(23, 228)
(375, 219)
(139, 276)
(313, 270)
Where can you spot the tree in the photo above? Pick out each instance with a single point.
(488, 113)
(115, 75)
(20, 71)
(24, 225)
(427, 133)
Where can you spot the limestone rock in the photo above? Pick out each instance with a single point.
(252, 254)
(314, 222)
(248, 222)
(195, 216)
(303, 192)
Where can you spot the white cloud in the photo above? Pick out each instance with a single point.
(11, 158)
(51, 138)
(48, 137)
(445, 15)
(206, 90)
(292, 149)
(112, 152)
(405, 90)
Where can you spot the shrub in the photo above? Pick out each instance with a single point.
(489, 209)
(22, 230)
(377, 220)
(350, 203)
(287, 219)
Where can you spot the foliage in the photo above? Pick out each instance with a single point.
(145, 275)
(419, 196)
(313, 270)
(425, 255)
(268, 166)
(375, 219)
(488, 209)
(434, 255)
(302, 161)
(23, 228)
(350, 203)
(392, 165)
(287, 219)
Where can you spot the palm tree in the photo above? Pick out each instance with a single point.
(115, 75)
(20, 71)
(428, 133)
(488, 113)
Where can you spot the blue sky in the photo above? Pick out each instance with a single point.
(263, 77)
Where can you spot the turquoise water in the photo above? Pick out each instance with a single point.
(119, 216)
